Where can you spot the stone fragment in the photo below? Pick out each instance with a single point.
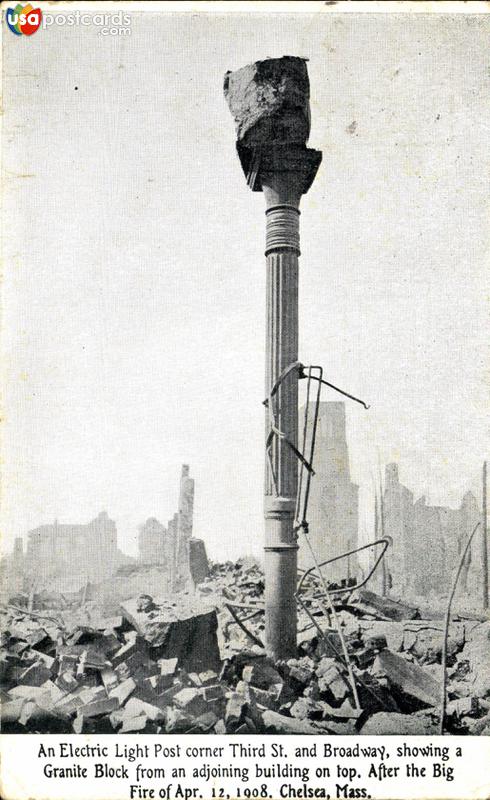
(480, 727)
(12, 710)
(168, 666)
(191, 701)
(463, 707)
(409, 679)
(96, 708)
(279, 723)
(176, 721)
(266, 698)
(236, 709)
(198, 560)
(213, 692)
(269, 101)
(306, 708)
(299, 672)
(123, 691)
(331, 683)
(187, 633)
(35, 675)
(134, 707)
(477, 652)
(124, 652)
(204, 723)
(109, 679)
(67, 682)
(132, 724)
(424, 639)
(261, 675)
(160, 682)
(208, 677)
(30, 692)
(390, 609)
(391, 724)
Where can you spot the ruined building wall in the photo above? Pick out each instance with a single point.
(397, 523)
(334, 498)
(427, 540)
(151, 542)
(65, 557)
(174, 547)
(184, 527)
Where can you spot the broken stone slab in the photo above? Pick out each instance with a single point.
(168, 666)
(388, 608)
(332, 685)
(208, 678)
(191, 701)
(92, 725)
(477, 652)
(425, 639)
(198, 560)
(176, 721)
(66, 681)
(96, 708)
(213, 692)
(269, 101)
(261, 674)
(12, 710)
(36, 716)
(186, 632)
(69, 705)
(135, 707)
(407, 679)
(279, 723)
(30, 692)
(205, 723)
(126, 651)
(35, 675)
(298, 672)
(220, 727)
(480, 727)
(236, 709)
(132, 724)
(463, 707)
(306, 708)
(123, 691)
(266, 698)
(387, 723)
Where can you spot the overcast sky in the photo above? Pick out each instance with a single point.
(134, 270)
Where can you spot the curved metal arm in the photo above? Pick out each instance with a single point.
(385, 541)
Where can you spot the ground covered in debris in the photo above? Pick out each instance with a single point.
(194, 663)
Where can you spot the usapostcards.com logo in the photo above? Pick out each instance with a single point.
(26, 20)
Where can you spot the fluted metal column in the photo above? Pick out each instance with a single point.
(280, 557)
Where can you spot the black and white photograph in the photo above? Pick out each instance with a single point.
(245, 399)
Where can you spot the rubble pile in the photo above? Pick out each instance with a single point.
(185, 665)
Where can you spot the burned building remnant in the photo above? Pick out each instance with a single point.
(184, 528)
(269, 101)
(151, 542)
(427, 540)
(67, 556)
(173, 547)
(334, 498)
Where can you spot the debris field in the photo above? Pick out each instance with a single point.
(193, 663)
